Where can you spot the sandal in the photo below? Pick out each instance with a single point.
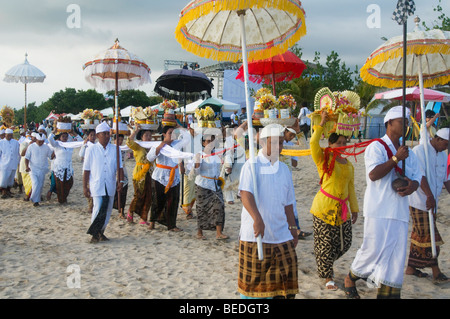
(129, 218)
(202, 237)
(331, 285)
(143, 223)
(440, 279)
(189, 216)
(351, 293)
(302, 234)
(175, 229)
(222, 237)
(418, 273)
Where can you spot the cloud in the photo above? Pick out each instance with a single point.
(147, 28)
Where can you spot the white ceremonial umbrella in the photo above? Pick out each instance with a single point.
(116, 69)
(25, 73)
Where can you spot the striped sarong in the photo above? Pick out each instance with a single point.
(276, 275)
(420, 255)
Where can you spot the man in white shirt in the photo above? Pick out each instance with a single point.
(9, 161)
(426, 198)
(99, 180)
(381, 258)
(36, 163)
(268, 211)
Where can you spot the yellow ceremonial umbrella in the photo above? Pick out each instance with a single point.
(232, 30)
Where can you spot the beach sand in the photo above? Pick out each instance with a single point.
(41, 247)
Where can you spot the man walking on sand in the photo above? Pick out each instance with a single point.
(381, 258)
(426, 198)
(99, 180)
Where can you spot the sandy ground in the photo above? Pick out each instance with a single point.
(43, 249)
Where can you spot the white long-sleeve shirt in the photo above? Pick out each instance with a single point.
(161, 175)
(437, 163)
(102, 164)
(209, 167)
(380, 200)
(9, 154)
(63, 158)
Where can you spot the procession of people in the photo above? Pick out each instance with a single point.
(207, 158)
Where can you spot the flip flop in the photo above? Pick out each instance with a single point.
(222, 237)
(332, 284)
(202, 237)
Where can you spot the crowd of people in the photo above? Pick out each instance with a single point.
(204, 168)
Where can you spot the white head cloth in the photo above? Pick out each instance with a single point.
(40, 137)
(9, 131)
(395, 113)
(272, 130)
(103, 127)
(443, 133)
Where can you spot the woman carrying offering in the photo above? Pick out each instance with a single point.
(142, 176)
(331, 222)
(166, 177)
(209, 196)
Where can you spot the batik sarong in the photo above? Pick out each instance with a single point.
(330, 243)
(275, 275)
(420, 253)
(210, 208)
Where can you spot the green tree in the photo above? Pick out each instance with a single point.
(130, 97)
(443, 22)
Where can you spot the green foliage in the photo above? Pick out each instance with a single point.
(334, 74)
(443, 22)
(75, 101)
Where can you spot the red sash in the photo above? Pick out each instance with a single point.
(389, 152)
(343, 203)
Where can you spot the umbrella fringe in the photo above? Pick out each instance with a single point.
(234, 53)
(199, 7)
(391, 82)
(384, 55)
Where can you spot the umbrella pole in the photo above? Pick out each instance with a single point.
(116, 108)
(404, 87)
(250, 123)
(425, 141)
(273, 84)
(25, 109)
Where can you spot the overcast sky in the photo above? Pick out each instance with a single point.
(146, 28)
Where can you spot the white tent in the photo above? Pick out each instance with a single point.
(191, 107)
(107, 112)
(126, 112)
(76, 117)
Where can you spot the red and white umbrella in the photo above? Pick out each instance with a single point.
(413, 94)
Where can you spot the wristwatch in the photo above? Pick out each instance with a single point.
(293, 228)
(395, 159)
